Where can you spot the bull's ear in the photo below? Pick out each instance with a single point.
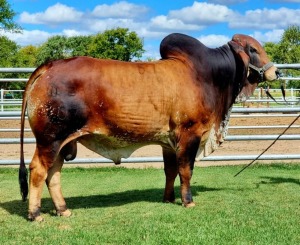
(240, 52)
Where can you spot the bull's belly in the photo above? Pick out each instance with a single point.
(115, 148)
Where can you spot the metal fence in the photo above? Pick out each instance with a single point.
(290, 111)
(258, 99)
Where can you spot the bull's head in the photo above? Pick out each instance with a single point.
(257, 66)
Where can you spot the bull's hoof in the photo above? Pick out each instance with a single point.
(67, 213)
(169, 201)
(189, 205)
(38, 218)
(35, 215)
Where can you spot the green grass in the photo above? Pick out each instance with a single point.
(123, 206)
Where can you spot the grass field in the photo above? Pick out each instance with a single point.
(123, 206)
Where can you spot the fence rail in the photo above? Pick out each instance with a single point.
(291, 111)
(236, 157)
(228, 138)
(160, 159)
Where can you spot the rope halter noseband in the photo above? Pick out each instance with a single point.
(262, 70)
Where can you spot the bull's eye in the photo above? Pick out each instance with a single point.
(253, 50)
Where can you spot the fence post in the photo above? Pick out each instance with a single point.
(1, 98)
(260, 96)
(268, 103)
(292, 96)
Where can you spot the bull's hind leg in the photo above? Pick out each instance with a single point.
(54, 187)
(38, 175)
(188, 147)
(68, 152)
(171, 171)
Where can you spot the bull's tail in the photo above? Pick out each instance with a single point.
(22, 170)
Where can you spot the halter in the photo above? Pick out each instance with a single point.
(262, 70)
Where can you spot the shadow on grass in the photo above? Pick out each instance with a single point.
(17, 207)
(280, 180)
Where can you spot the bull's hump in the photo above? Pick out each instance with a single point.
(177, 44)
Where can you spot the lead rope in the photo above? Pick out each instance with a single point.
(268, 147)
(283, 94)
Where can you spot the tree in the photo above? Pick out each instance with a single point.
(117, 44)
(8, 51)
(8, 48)
(11, 55)
(26, 56)
(6, 17)
(270, 49)
(61, 47)
(287, 51)
(54, 48)
(78, 45)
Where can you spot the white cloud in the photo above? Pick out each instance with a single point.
(96, 25)
(266, 19)
(56, 14)
(72, 33)
(146, 32)
(214, 40)
(227, 2)
(191, 18)
(103, 17)
(121, 9)
(165, 23)
(34, 37)
(270, 36)
(202, 13)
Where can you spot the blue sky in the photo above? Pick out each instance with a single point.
(212, 22)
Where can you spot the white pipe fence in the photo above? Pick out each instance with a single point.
(228, 138)
(160, 159)
(237, 111)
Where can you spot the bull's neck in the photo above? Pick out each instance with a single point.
(226, 71)
(222, 66)
(222, 75)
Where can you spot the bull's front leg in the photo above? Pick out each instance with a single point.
(171, 172)
(186, 155)
(54, 187)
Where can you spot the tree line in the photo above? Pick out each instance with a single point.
(118, 44)
(286, 51)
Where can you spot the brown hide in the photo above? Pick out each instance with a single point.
(117, 106)
(180, 102)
